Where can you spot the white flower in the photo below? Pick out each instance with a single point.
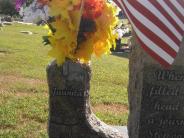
(34, 13)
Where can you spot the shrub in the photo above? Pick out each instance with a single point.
(7, 7)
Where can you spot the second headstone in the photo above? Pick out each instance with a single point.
(156, 96)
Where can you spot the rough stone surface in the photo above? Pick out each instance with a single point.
(162, 103)
(70, 115)
(138, 61)
(123, 130)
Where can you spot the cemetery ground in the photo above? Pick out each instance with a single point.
(24, 90)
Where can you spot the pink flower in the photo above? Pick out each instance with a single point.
(19, 4)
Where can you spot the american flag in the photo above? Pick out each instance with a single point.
(158, 24)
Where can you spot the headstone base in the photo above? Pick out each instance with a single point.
(123, 130)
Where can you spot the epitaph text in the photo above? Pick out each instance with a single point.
(162, 107)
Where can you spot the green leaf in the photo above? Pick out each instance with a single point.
(46, 40)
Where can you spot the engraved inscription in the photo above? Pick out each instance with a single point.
(159, 90)
(156, 134)
(162, 106)
(169, 75)
(69, 92)
(173, 122)
(166, 122)
(166, 107)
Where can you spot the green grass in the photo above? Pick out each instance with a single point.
(125, 40)
(23, 85)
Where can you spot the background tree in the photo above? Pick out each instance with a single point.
(7, 7)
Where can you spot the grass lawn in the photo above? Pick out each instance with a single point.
(23, 85)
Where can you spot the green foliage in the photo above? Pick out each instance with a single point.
(7, 7)
(28, 2)
(46, 40)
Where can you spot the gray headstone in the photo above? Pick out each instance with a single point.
(8, 19)
(70, 115)
(26, 32)
(7, 23)
(156, 96)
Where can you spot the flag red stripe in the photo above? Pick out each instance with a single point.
(157, 40)
(149, 39)
(172, 21)
(153, 54)
(181, 2)
(155, 20)
(180, 16)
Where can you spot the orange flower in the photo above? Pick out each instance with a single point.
(43, 2)
(93, 8)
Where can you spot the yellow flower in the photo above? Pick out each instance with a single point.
(60, 52)
(64, 40)
(85, 51)
(99, 48)
(105, 37)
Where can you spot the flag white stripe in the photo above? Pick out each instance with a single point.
(155, 29)
(156, 49)
(178, 6)
(172, 14)
(161, 17)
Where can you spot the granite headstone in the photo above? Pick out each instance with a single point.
(156, 96)
(70, 115)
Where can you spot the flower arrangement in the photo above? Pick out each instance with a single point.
(77, 29)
